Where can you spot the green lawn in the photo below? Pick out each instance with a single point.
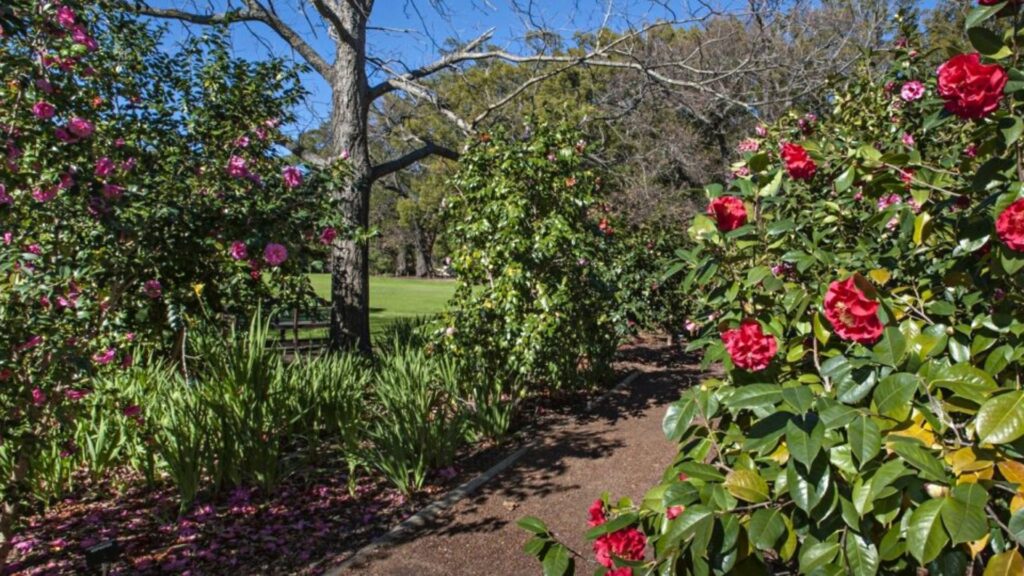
(394, 298)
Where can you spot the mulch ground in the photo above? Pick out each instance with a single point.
(313, 522)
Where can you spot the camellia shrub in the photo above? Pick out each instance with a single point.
(861, 285)
(530, 252)
(135, 192)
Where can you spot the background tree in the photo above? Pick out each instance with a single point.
(349, 67)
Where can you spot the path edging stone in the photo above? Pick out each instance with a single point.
(431, 511)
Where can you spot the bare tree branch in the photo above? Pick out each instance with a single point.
(429, 148)
(253, 12)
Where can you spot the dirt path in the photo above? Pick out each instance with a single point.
(618, 447)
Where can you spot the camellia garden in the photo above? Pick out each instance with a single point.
(859, 279)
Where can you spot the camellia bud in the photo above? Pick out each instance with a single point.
(936, 490)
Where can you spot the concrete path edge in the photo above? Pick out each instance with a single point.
(430, 512)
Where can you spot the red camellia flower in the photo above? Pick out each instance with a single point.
(596, 512)
(1010, 226)
(749, 347)
(729, 212)
(798, 163)
(627, 544)
(971, 89)
(853, 315)
(624, 571)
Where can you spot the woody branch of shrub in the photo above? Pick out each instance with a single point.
(860, 282)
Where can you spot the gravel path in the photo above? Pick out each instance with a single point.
(618, 447)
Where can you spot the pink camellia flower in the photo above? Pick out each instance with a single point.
(43, 110)
(29, 344)
(912, 91)
(691, 326)
(81, 36)
(153, 289)
(292, 177)
(105, 357)
(104, 167)
(119, 143)
(238, 167)
(328, 235)
(673, 512)
(971, 151)
(128, 165)
(112, 191)
(66, 180)
(75, 395)
(890, 200)
(63, 135)
(8, 238)
(42, 195)
(34, 249)
(65, 17)
(741, 172)
(275, 254)
(345, 154)
(261, 133)
(242, 142)
(748, 145)
(239, 251)
(38, 397)
(761, 130)
(908, 139)
(81, 127)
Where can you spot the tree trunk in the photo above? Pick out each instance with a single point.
(424, 264)
(350, 260)
(402, 260)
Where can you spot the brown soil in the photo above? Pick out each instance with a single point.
(617, 448)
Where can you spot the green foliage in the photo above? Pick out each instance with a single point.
(118, 215)
(840, 453)
(531, 261)
(417, 422)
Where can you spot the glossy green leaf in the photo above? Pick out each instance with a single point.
(767, 528)
(1001, 419)
(865, 438)
(925, 535)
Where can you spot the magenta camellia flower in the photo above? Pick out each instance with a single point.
(328, 235)
(43, 110)
(81, 36)
(38, 397)
(238, 167)
(132, 411)
(242, 142)
(81, 127)
(104, 167)
(912, 91)
(275, 254)
(292, 177)
(42, 195)
(75, 395)
(65, 17)
(239, 251)
(153, 289)
(908, 139)
(112, 191)
(5, 198)
(105, 357)
(29, 344)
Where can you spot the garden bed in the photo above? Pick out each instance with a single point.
(311, 523)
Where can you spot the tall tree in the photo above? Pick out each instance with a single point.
(353, 94)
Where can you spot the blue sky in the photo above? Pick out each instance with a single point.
(409, 33)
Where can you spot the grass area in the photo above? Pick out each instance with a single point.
(394, 298)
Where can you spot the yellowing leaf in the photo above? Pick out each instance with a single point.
(1012, 471)
(880, 275)
(976, 476)
(978, 546)
(1017, 502)
(918, 429)
(747, 485)
(922, 228)
(967, 460)
(781, 454)
(1009, 563)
